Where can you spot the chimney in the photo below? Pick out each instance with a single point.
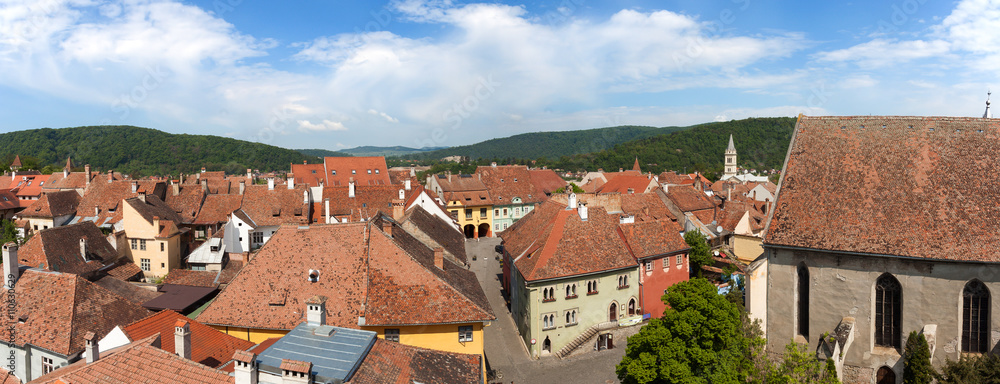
(631, 191)
(493, 164)
(93, 352)
(86, 169)
(245, 367)
(387, 227)
(316, 311)
(270, 183)
(249, 175)
(135, 186)
(406, 185)
(83, 249)
(326, 209)
(204, 185)
(296, 372)
(350, 187)
(305, 196)
(182, 339)
(439, 258)
(97, 211)
(10, 265)
(666, 188)
(142, 197)
(243, 186)
(156, 224)
(65, 172)
(291, 180)
(111, 176)
(176, 189)
(13, 175)
(582, 211)
(202, 171)
(397, 209)
(180, 178)
(572, 201)
(621, 169)
(402, 194)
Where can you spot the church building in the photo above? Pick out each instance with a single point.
(883, 225)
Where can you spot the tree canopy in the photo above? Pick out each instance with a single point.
(700, 254)
(917, 367)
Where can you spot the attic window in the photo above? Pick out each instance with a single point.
(501, 180)
(353, 172)
(313, 276)
(275, 211)
(369, 171)
(931, 129)
(298, 211)
(515, 179)
(376, 171)
(314, 171)
(333, 172)
(364, 205)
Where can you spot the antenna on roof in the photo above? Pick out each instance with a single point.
(988, 114)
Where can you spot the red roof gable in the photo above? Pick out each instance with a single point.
(364, 170)
(208, 346)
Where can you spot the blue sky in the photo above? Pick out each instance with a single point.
(339, 74)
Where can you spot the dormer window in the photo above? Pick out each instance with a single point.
(313, 276)
(354, 172)
(333, 172)
(376, 171)
(369, 171)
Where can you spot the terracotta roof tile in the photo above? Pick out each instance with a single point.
(140, 362)
(339, 170)
(436, 232)
(296, 366)
(339, 252)
(58, 249)
(216, 208)
(366, 203)
(891, 185)
(546, 180)
(624, 183)
(107, 199)
(186, 203)
(7, 377)
(310, 174)
(688, 199)
(275, 207)
(393, 363)
(8, 200)
(125, 271)
(29, 185)
(653, 238)
(53, 204)
(506, 182)
(60, 308)
(645, 207)
(208, 346)
(132, 292)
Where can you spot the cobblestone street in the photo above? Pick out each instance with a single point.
(506, 353)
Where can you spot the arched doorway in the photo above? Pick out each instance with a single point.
(470, 231)
(547, 345)
(885, 375)
(631, 307)
(484, 230)
(613, 312)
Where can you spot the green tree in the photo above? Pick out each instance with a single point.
(700, 251)
(800, 366)
(984, 369)
(8, 233)
(700, 339)
(917, 367)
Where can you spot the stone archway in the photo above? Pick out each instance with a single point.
(613, 312)
(631, 307)
(470, 231)
(547, 345)
(484, 230)
(885, 375)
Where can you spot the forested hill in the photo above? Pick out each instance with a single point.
(547, 144)
(322, 153)
(142, 151)
(761, 143)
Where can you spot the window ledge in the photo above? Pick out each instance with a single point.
(549, 328)
(548, 300)
(571, 297)
(622, 286)
(591, 293)
(571, 325)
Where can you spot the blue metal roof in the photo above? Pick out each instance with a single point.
(335, 357)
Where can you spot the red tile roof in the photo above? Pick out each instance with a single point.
(688, 199)
(52, 205)
(674, 178)
(75, 180)
(204, 278)
(547, 180)
(549, 241)
(891, 185)
(8, 200)
(366, 203)
(208, 346)
(216, 208)
(7, 377)
(645, 207)
(125, 271)
(653, 238)
(434, 232)
(506, 182)
(107, 198)
(622, 184)
(58, 309)
(393, 363)
(311, 174)
(186, 203)
(30, 185)
(397, 287)
(58, 249)
(339, 169)
(275, 207)
(139, 362)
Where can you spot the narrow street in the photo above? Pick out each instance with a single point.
(506, 353)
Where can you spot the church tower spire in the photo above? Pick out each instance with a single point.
(730, 169)
(988, 114)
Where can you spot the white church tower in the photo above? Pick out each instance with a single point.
(730, 170)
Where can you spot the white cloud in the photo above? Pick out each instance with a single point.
(883, 52)
(325, 125)
(383, 115)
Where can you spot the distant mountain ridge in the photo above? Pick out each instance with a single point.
(549, 144)
(322, 153)
(368, 150)
(144, 151)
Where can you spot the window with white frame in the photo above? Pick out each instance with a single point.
(571, 317)
(392, 335)
(649, 265)
(47, 365)
(134, 242)
(145, 265)
(464, 333)
(142, 244)
(258, 237)
(680, 259)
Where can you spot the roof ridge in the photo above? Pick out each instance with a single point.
(434, 275)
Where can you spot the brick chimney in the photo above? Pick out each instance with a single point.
(350, 188)
(245, 367)
(111, 176)
(92, 350)
(406, 185)
(86, 169)
(387, 227)
(316, 311)
(176, 189)
(243, 186)
(202, 171)
(10, 265)
(270, 183)
(83, 249)
(291, 180)
(182, 339)
(397, 209)
(296, 372)
(439, 258)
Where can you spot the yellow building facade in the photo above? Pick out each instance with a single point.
(154, 245)
(475, 220)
